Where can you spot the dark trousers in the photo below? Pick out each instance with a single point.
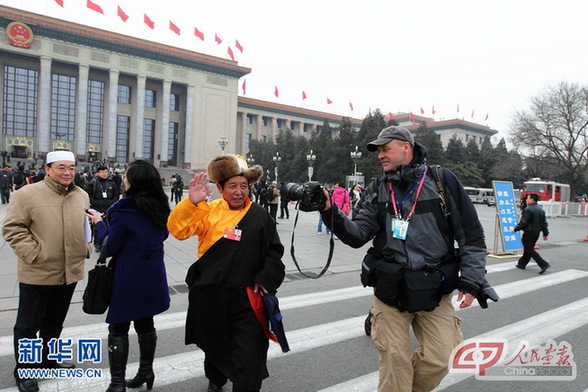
(529, 240)
(284, 209)
(273, 210)
(41, 309)
(5, 192)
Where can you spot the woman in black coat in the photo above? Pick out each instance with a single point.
(136, 231)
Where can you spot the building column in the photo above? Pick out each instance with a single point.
(259, 125)
(274, 127)
(165, 123)
(188, 134)
(139, 112)
(110, 138)
(82, 111)
(243, 127)
(44, 119)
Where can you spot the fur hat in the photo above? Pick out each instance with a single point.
(223, 167)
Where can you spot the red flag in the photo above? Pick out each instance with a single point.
(60, 2)
(94, 7)
(198, 33)
(174, 28)
(433, 111)
(238, 46)
(411, 117)
(351, 106)
(303, 95)
(121, 14)
(458, 107)
(472, 113)
(390, 116)
(276, 92)
(422, 110)
(230, 52)
(244, 86)
(148, 21)
(329, 101)
(486, 119)
(217, 39)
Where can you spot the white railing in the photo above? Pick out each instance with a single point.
(556, 208)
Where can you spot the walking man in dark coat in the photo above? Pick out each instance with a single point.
(532, 223)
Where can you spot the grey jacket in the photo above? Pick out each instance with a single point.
(430, 236)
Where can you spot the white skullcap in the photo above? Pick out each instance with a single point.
(56, 156)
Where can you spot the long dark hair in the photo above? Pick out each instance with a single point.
(147, 190)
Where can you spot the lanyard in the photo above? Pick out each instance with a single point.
(398, 206)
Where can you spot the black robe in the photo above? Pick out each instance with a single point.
(220, 319)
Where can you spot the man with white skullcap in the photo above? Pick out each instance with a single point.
(44, 225)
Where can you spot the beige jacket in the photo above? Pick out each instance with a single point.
(44, 225)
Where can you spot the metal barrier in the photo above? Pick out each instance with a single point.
(556, 208)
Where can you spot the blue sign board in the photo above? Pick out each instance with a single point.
(507, 215)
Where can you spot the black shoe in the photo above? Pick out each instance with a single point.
(27, 385)
(520, 266)
(544, 268)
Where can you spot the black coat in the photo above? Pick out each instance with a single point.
(219, 301)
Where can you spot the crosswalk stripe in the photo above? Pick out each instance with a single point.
(535, 330)
(181, 367)
(176, 320)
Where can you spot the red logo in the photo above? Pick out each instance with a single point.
(19, 35)
(477, 356)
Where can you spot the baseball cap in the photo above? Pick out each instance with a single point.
(391, 133)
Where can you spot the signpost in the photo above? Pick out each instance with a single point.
(506, 220)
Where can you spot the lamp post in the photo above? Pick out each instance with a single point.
(223, 141)
(277, 158)
(355, 156)
(310, 158)
(250, 160)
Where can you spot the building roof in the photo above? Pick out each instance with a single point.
(114, 42)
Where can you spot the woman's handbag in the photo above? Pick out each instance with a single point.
(98, 290)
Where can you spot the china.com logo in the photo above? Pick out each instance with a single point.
(488, 360)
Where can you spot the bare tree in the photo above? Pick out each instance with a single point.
(553, 131)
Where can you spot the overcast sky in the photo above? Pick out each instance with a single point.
(489, 57)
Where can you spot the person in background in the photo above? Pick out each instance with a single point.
(239, 259)
(273, 199)
(136, 231)
(44, 225)
(6, 184)
(284, 202)
(355, 195)
(341, 198)
(532, 223)
(103, 193)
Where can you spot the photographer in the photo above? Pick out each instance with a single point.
(412, 265)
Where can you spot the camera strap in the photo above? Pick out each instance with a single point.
(331, 249)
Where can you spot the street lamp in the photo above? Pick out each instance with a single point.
(277, 158)
(250, 160)
(223, 141)
(355, 156)
(310, 158)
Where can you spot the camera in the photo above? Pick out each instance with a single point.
(310, 195)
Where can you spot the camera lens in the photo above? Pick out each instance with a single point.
(294, 191)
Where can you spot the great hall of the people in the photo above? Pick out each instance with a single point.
(106, 95)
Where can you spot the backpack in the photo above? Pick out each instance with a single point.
(179, 184)
(269, 194)
(19, 178)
